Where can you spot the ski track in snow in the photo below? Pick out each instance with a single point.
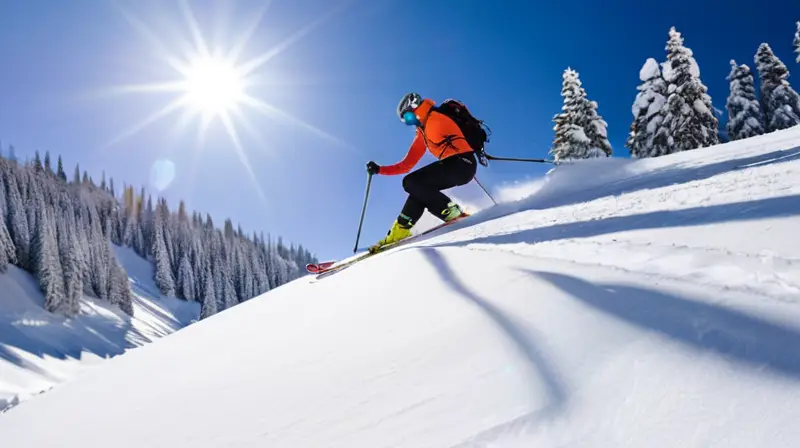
(627, 232)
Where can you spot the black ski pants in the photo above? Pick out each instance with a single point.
(424, 186)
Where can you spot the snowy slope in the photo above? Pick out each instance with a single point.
(39, 350)
(655, 304)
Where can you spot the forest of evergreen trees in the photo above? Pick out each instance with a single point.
(61, 231)
(672, 110)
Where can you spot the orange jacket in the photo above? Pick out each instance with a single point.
(440, 134)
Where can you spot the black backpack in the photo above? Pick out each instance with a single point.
(471, 127)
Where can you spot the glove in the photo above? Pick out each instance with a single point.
(373, 168)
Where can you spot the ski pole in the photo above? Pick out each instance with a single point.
(363, 210)
(514, 159)
(484, 190)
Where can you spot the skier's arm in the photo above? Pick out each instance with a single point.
(415, 153)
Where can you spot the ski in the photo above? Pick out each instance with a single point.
(315, 268)
(329, 267)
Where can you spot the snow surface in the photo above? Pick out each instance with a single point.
(39, 350)
(627, 303)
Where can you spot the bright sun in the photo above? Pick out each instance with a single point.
(213, 86)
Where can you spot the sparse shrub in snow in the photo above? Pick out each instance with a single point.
(647, 108)
(745, 118)
(688, 116)
(580, 131)
(780, 103)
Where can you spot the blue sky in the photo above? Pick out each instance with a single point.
(338, 70)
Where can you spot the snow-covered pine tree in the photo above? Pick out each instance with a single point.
(7, 251)
(646, 111)
(100, 258)
(67, 245)
(780, 103)
(48, 168)
(596, 129)
(163, 271)
(119, 292)
(208, 306)
(797, 42)
(17, 220)
(186, 279)
(61, 174)
(745, 118)
(580, 131)
(45, 257)
(689, 115)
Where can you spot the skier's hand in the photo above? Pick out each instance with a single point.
(372, 167)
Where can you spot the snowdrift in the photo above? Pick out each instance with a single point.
(625, 304)
(39, 350)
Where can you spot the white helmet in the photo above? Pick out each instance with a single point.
(409, 102)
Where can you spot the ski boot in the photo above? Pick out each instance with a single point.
(452, 212)
(396, 233)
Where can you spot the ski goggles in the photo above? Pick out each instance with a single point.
(410, 118)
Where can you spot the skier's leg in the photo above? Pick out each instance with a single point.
(423, 187)
(411, 213)
(427, 183)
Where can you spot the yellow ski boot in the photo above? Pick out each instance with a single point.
(395, 234)
(452, 212)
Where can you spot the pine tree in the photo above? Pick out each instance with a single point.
(208, 306)
(68, 254)
(7, 250)
(646, 111)
(76, 176)
(797, 42)
(45, 256)
(37, 162)
(163, 270)
(580, 131)
(689, 113)
(48, 169)
(745, 118)
(186, 279)
(780, 103)
(17, 220)
(61, 174)
(99, 259)
(119, 288)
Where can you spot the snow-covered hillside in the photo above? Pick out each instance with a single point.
(39, 350)
(625, 304)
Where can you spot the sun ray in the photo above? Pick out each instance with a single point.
(170, 107)
(148, 34)
(226, 121)
(163, 86)
(262, 59)
(237, 49)
(251, 131)
(270, 110)
(205, 123)
(200, 43)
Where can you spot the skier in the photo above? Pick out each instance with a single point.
(456, 165)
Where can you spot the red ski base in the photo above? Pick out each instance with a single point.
(316, 268)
